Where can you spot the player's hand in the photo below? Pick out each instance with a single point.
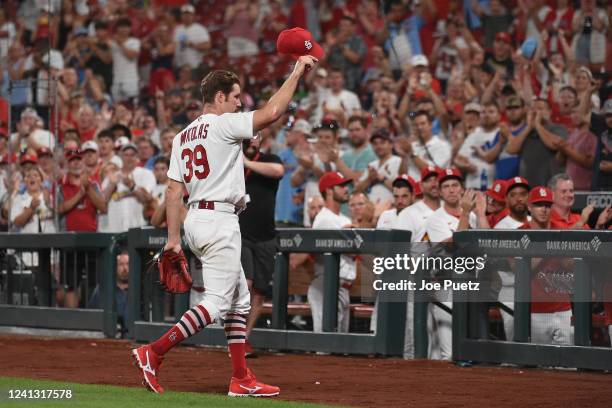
(481, 204)
(468, 201)
(170, 246)
(304, 64)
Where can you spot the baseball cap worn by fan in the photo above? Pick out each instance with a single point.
(297, 42)
(473, 107)
(332, 179)
(540, 194)
(419, 60)
(28, 158)
(302, 126)
(89, 145)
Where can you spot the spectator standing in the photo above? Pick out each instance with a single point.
(495, 19)
(602, 163)
(160, 170)
(91, 160)
(356, 160)
(538, 146)
(127, 192)
(346, 51)
(100, 57)
(125, 51)
(501, 56)
(106, 145)
(31, 211)
(336, 99)
(241, 33)
(381, 173)
(479, 172)
(289, 206)
(191, 40)
(577, 153)
(426, 149)
(590, 26)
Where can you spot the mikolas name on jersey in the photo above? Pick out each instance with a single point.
(194, 133)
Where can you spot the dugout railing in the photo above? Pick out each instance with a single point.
(591, 252)
(147, 310)
(35, 270)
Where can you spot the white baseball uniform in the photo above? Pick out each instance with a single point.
(413, 219)
(506, 293)
(326, 219)
(440, 226)
(387, 219)
(207, 158)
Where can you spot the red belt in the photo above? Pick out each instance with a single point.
(206, 205)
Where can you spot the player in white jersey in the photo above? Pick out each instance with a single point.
(455, 214)
(517, 193)
(207, 159)
(413, 218)
(403, 190)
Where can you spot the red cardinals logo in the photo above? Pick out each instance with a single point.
(308, 45)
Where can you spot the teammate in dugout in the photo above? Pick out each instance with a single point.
(207, 158)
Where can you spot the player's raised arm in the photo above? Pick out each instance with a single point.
(277, 105)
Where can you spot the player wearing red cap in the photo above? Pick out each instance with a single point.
(551, 310)
(496, 202)
(333, 186)
(413, 218)
(403, 190)
(516, 193)
(455, 214)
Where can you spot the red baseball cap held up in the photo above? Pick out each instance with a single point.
(297, 42)
(332, 179)
(540, 194)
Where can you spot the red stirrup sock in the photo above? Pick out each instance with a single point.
(194, 320)
(235, 332)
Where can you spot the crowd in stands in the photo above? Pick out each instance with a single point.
(95, 91)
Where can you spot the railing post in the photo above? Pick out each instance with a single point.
(331, 263)
(522, 300)
(43, 277)
(420, 317)
(582, 304)
(107, 290)
(134, 282)
(390, 325)
(280, 291)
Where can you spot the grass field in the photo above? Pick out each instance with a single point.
(98, 396)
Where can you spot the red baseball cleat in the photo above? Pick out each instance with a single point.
(250, 387)
(148, 363)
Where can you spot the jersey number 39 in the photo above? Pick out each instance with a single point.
(197, 163)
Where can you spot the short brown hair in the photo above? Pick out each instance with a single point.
(215, 81)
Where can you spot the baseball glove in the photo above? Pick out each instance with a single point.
(173, 271)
